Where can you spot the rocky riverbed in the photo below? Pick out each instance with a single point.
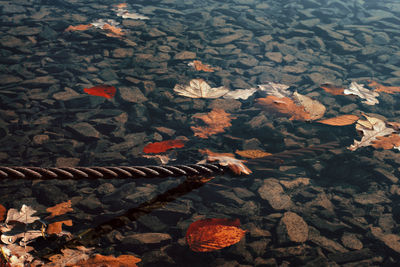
(337, 208)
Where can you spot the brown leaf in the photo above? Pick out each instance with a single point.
(284, 106)
(387, 142)
(340, 120)
(213, 234)
(252, 153)
(81, 27)
(56, 227)
(2, 212)
(381, 88)
(198, 65)
(70, 257)
(395, 125)
(59, 209)
(332, 89)
(216, 121)
(311, 106)
(109, 261)
(113, 31)
(227, 159)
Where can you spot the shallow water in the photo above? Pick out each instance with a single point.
(348, 200)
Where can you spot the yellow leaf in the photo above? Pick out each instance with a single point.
(340, 120)
(252, 153)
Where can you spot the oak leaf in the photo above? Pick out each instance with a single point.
(24, 216)
(56, 227)
(387, 142)
(362, 92)
(253, 153)
(159, 147)
(199, 66)
(81, 27)
(213, 234)
(198, 88)
(381, 88)
(227, 159)
(109, 261)
(332, 89)
(284, 106)
(70, 257)
(340, 120)
(215, 122)
(60, 209)
(275, 89)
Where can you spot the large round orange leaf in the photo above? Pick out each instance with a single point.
(213, 234)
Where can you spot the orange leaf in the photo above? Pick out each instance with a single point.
(56, 227)
(252, 153)
(216, 121)
(81, 27)
(213, 234)
(332, 89)
(340, 120)
(121, 6)
(159, 147)
(198, 65)
(113, 31)
(381, 88)
(109, 261)
(386, 142)
(59, 209)
(285, 106)
(2, 212)
(103, 90)
(395, 125)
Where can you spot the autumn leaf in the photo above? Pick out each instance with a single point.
(216, 121)
(275, 89)
(70, 257)
(113, 31)
(362, 92)
(81, 27)
(59, 209)
(111, 261)
(332, 89)
(26, 237)
(395, 125)
(198, 88)
(340, 120)
(199, 66)
(2, 212)
(227, 159)
(121, 5)
(387, 142)
(381, 88)
(240, 93)
(103, 90)
(311, 106)
(56, 227)
(284, 106)
(23, 216)
(164, 159)
(213, 234)
(159, 147)
(252, 153)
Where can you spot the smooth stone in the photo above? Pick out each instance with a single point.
(273, 192)
(295, 183)
(351, 241)
(154, 33)
(67, 94)
(185, 55)
(371, 198)
(67, 162)
(274, 56)
(84, 129)
(122, 52)
(91, 204)
(40, 81)
(391, 241)
(324, 242)
(227, 39)
(8, 79)
(146, 239)
(132, 94)
(292, 228)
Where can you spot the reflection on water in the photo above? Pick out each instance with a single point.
(312, 88)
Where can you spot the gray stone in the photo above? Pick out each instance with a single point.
(292, 228)
(243, 192)
(67, 94)
(274, 56)
(108, 75)
(84, 129)
(132, 94)
(273, 192)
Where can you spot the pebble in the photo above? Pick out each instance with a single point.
(273, 192)
(292, 228)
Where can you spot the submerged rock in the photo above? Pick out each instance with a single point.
(273, 192)
(292, 228)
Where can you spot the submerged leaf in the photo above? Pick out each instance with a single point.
(113, 31)
(159, 147)
(332, 89)
(253, 153)
(198, 88)
(2, 212)
(70, 257)
(381, 88)
(362, 92)
(311, 106)
(103, 90)
(340, 120)
(60, 209)
(216, 121)
(213, 234)
(198, 65)
(284, 106)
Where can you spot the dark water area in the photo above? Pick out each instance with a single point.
(327, 196)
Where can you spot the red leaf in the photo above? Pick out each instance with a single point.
(103, 90)
(2, 213)
(159, 147)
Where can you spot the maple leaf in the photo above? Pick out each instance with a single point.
(163, 146)
(240, 93)
(199, 66)
(216, 121)
(198, 88)
(253, 153)
(371, 128)
(213, 234)
(56, 227)
(312, 107)
(275, 89)
(24, 216)
(381, 88)
(332, 89)
(100, 260)
(284, 106)
(362, 92)
(387, 142)
(227, 159)
(340, 120)
(81, 27)
(60, 209)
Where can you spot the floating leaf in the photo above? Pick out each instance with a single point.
(159, 147)
(340, 120)
(252, 153)
(81, 27)
(56, 227)
(332, 89)
(60, 209)
(285, 106)
(275, 89)
(103, 90)
(23, 216)
(198, 88)
(213, 234)
(381, 88)
(387, 142)
(26, 237)
(371, 129)
(198, 65)
(227, 159)
(216, 121)
(2, 212)
(362, 92)
(312, 107)
(111, 261)
(240, 93)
